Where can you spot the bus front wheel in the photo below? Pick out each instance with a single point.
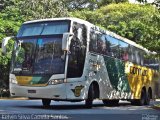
(89, 100)
(46, 102)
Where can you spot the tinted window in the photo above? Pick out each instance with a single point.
(137, 56)
(40, 56)
(93, 42)
(132, 57)
(123, 49)
(142, 57)
(151, 62)
(25, 55)
(101, 44)
(45, 28)
(48, 57)
(113, 46)
(78, 51)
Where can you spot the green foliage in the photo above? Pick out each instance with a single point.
(36, 9)
(5, 3)
(10, 21)
(88, 4)
(157, 4)
(13, 14)
(142, 1)
(139, 23)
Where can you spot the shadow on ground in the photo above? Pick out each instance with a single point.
(71, 107)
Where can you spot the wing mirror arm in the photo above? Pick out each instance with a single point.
(5, 42)
(66, 41)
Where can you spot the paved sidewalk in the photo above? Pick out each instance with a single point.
(157, 105)
(13, 98)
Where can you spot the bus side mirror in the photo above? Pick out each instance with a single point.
(66, 41)
(4, 43)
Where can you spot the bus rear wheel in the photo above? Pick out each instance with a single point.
(148, 98)
(140, 101)
(46, 102)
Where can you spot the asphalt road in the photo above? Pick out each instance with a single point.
(33, 109)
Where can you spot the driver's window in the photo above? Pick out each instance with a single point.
(78, 51)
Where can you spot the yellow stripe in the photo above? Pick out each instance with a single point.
(23, 80)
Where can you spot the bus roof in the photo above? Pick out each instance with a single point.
(54, 19)
(92, 25)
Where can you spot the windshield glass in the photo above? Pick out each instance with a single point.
(24, 55)
(43, 28)
(49, 56)
(40, 56)
(39, 48)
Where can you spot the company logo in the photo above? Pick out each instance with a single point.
(138, 71)
(77, 90)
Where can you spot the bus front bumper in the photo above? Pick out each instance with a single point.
(49, 92)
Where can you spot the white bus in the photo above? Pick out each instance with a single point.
(69, 59)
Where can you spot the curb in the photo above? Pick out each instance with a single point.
(156, 107)
(13, 98)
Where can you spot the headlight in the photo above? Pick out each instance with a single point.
(14, 81)
(54, 82)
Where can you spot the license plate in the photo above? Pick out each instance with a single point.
(31, 91)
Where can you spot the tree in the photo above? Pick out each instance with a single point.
(89, 4)
(13, 14)
(142, 1)
(36, 9)
(157, 3)
(5, 3)
(139, 23)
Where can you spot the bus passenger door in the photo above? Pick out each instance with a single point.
(76, 59)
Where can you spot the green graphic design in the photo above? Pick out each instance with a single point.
(116, 72)
(39, 80)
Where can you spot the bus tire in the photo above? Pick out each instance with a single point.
(141, 101)
(89, 100)
(148, 97)
(46, 102)
(111, 102)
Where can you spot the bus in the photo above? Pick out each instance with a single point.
(69, 59)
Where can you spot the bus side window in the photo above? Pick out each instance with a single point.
(101, 44)
(153, 63)
(157, 64)
(112, 46)
(137, 56)
(142, 58)
(123, 49)
(132, 57)
(93, 42)
(146, 60)
(78, 51)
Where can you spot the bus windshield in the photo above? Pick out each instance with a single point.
(44, 28)
(39, 49)
(39, 56)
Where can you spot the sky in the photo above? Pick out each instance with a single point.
(149, 1)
